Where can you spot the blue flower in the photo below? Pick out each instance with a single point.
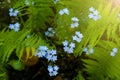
(53, 70)
(75, 22)
(65, 43)
(41, 54)
(50, 68)
(50, 32)
(87, 50)
(94, 14)
(91, 9)
(72, 45)
(56, 68)
(61, 12)
(53, 58)
(43, 48)
(68, 48)
(15, 27)
(11, 26)
(78, 36)
(73, 25)
(55, 1)
(75, 19)
(64, 11)
(27, 2)
(50, 55)
(77, 39)
(13, 12)
(114, 51)
(53, 52)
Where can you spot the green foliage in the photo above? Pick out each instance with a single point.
(16, 42)
(35, 18)
(79, 77)
(17, 65)
(106, 26)
(3, 73)
(101, 65)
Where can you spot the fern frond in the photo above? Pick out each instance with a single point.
(101, 65)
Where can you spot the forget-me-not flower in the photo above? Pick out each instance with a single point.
(75, 19)
(55, 1)
(87, 50)
(64, 11)
(53, 70)
(78, 36)
(13, 12)
(114, 51)
(15, 27)
(94, 14)
(75, 22)
(69, 48)
(50, 32)
(43, 51)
